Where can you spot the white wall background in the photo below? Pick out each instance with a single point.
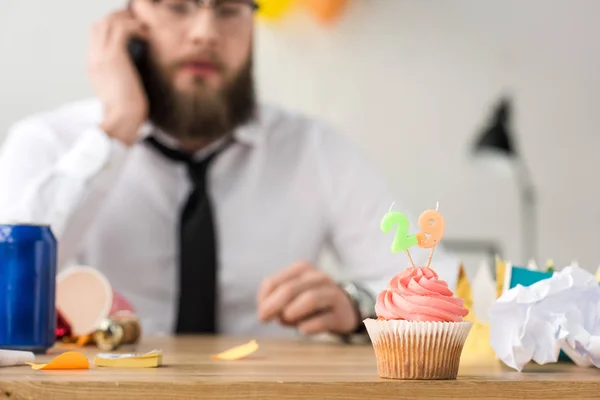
(412, 81)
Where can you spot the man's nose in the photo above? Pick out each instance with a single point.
(204, 30)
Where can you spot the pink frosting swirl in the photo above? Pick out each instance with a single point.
(417, 294)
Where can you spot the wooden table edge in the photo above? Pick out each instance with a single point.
(248, 390)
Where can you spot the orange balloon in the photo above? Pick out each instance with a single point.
(326, 11)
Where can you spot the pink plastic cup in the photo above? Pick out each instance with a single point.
(84, 297)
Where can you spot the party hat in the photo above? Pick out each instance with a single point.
(477, 346)
(500, 272)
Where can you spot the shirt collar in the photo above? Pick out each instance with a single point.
(248, 134)
(252, 133)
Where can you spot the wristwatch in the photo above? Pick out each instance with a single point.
(364, 303)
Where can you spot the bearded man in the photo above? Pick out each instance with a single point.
(204, 208)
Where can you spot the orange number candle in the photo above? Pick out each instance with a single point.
(432, 227)
(431, 224)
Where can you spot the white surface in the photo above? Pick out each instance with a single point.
(411, 81)
(535, 322)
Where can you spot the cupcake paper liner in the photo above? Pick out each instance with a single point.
(417, 350)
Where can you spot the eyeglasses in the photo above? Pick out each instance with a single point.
(230, 15)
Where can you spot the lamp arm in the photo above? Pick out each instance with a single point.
(528, 200)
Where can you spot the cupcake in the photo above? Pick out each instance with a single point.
(419, 332)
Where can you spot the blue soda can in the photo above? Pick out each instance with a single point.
(28, 255)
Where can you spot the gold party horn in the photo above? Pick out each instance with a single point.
(116, 331)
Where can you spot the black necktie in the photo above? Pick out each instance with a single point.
(198, 248)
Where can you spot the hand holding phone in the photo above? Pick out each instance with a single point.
(115, 76)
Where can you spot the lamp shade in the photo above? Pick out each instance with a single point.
(497, 136)
(494, 149)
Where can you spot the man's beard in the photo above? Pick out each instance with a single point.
(198, 114)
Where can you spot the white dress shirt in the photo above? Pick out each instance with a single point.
(286, 188)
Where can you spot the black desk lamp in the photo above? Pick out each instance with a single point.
(495, 151)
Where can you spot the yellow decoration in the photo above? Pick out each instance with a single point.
(326, 11)
(152, 359)
(598, 275)
(500, 271)
(273, 10)
(237, 353)
(464, 291)
(477, 346)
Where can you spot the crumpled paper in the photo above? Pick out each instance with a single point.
(536, 322)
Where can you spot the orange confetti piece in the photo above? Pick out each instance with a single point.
(65, 361)
(237, 353)
(65, 346)
(84, 340)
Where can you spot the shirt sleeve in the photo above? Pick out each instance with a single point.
(43, 182)
(358, 198)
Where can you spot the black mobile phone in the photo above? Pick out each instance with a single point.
(138, 50)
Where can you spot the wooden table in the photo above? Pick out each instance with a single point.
(284, 369)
